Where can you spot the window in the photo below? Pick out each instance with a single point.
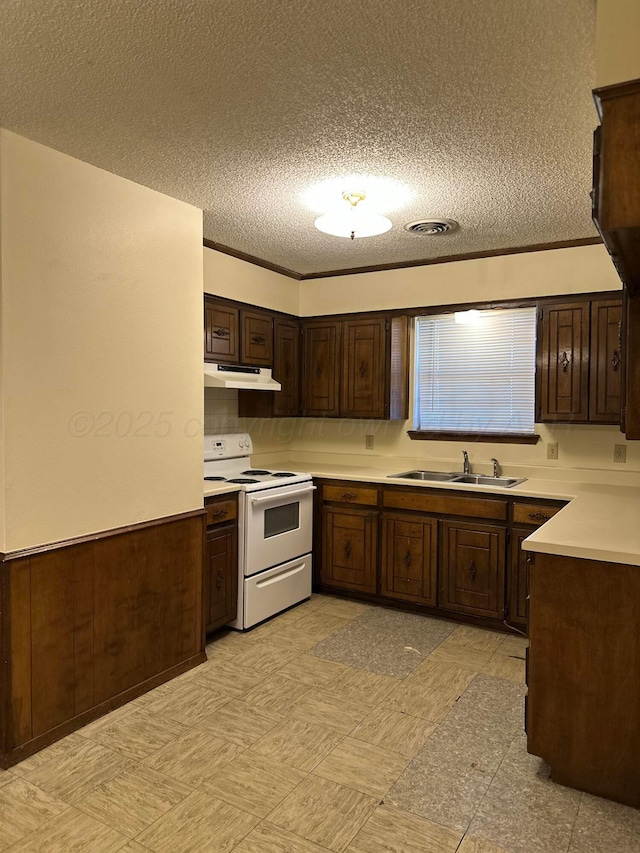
(475, 372)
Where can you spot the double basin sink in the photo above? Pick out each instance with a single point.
(473, 479)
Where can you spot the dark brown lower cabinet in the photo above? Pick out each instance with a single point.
(518, 580)
(221, 576)
(409, 558)
(349, 548)
(473, 562)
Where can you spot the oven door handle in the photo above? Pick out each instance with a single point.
(281, 495)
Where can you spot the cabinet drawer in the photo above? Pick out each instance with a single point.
(533, 513)
(351, 494)
(424, 501)
(221, 510)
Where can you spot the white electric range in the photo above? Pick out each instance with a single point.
(275, 528)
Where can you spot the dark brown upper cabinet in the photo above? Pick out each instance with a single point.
(580, 362)
(563, 362)
(221, 332)
(321, 368)
(363, 363)
(605, 386)
(286, 369)
(257, 338)
(356, 367)
(616, 178)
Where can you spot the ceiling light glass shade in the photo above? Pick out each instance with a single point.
(353, 223)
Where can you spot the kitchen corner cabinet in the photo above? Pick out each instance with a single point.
(356, 367)
(221, 332)
(579, 362)
(220, 575)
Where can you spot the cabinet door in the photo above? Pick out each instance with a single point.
(605, 398)
(364, 368)
(349, 552)
(220, 332)
(257, 339)
(286, 368)
(321, 370)
(409, 558)
(473, 561)
(563, 363)
(221, 576)
(518, 579)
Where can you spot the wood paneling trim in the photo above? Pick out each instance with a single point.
(492, 438)
(96, 537)
(444, 259)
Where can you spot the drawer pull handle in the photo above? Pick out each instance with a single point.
(347, 550)
(258, 339)
(363, 370)
(221, 333)
(220, 513)
(348, 496)
(565, 361)
(539, 516)
(407, 559)
(472, 570)
(615, 360)
(219, 579)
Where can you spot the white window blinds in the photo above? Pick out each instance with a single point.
(476, 374)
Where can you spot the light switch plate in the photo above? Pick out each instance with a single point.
(552, 450)
(368, 442)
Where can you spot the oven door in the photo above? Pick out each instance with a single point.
(278, 526)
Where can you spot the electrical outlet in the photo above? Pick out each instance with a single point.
(619, 452)
(368, 442)
(552, 450)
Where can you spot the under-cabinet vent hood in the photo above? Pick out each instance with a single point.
(236, 376)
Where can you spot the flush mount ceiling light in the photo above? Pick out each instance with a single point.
(383, 194)
(353, 221)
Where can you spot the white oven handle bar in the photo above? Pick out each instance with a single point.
(281, 495)
(291, 570)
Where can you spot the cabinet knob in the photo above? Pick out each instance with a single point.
(565, 361)
(287, 370)
(363, 370)
(258, 339)
(615, 360)
(407, 559)
(219, 579)
(347, 550)
(318, 371)
(539, 516)
(472, 570)
(348, 496)
(220, 333)
(220, 513)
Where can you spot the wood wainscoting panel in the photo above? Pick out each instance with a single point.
(90, 625)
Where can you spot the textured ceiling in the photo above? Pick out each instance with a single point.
(482, 106)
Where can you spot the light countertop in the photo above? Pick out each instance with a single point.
(212, 488)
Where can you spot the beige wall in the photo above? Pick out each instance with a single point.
(617, 41)
(235, 279)
(577, 270)
(101, 295)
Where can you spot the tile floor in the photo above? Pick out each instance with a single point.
(334, 727)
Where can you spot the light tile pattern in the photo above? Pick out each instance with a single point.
(318, 731)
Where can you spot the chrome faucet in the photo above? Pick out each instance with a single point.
(496, 468)
(466, 469)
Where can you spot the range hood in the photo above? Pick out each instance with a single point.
(235, 376)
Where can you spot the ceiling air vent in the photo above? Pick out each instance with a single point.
(431, 227)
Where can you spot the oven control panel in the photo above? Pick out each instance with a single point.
(227, 446)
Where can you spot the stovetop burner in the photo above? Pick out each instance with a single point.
(283, 474)
(256, 472)
(242, 480)
(219, 479)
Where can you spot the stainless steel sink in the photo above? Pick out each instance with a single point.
(483, 480)
(438, 476)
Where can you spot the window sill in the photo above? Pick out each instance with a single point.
(487, 437)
